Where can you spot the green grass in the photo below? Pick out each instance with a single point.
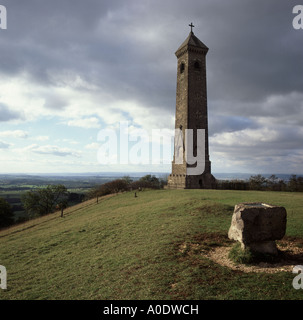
(149, 247)
(249, 257)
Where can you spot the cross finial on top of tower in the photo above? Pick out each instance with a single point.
(191, 27)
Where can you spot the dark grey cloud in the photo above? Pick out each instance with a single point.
(6, 114)
(218, 124)
(129, 45)
(126, 50)
(279, 107)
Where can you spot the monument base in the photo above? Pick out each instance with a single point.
(182, 181)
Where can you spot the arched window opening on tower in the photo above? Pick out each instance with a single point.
(182, 67)
(197, 65)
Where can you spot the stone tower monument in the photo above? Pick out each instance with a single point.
(191, 113)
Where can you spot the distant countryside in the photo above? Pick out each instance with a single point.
(79, 188)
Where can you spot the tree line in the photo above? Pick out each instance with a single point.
(260, 183)
(126, 184)
(41, 201)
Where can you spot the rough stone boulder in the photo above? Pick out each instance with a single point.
(257, 226)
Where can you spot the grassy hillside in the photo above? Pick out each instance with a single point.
(129, 248)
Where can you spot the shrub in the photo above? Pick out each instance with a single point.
(247, 256)
(148, 181)
(6, 214)
(238, 255)
(44, 200)
(110, 187)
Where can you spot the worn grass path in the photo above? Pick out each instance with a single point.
(133, 248)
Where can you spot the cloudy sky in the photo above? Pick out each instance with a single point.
(71, 69)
